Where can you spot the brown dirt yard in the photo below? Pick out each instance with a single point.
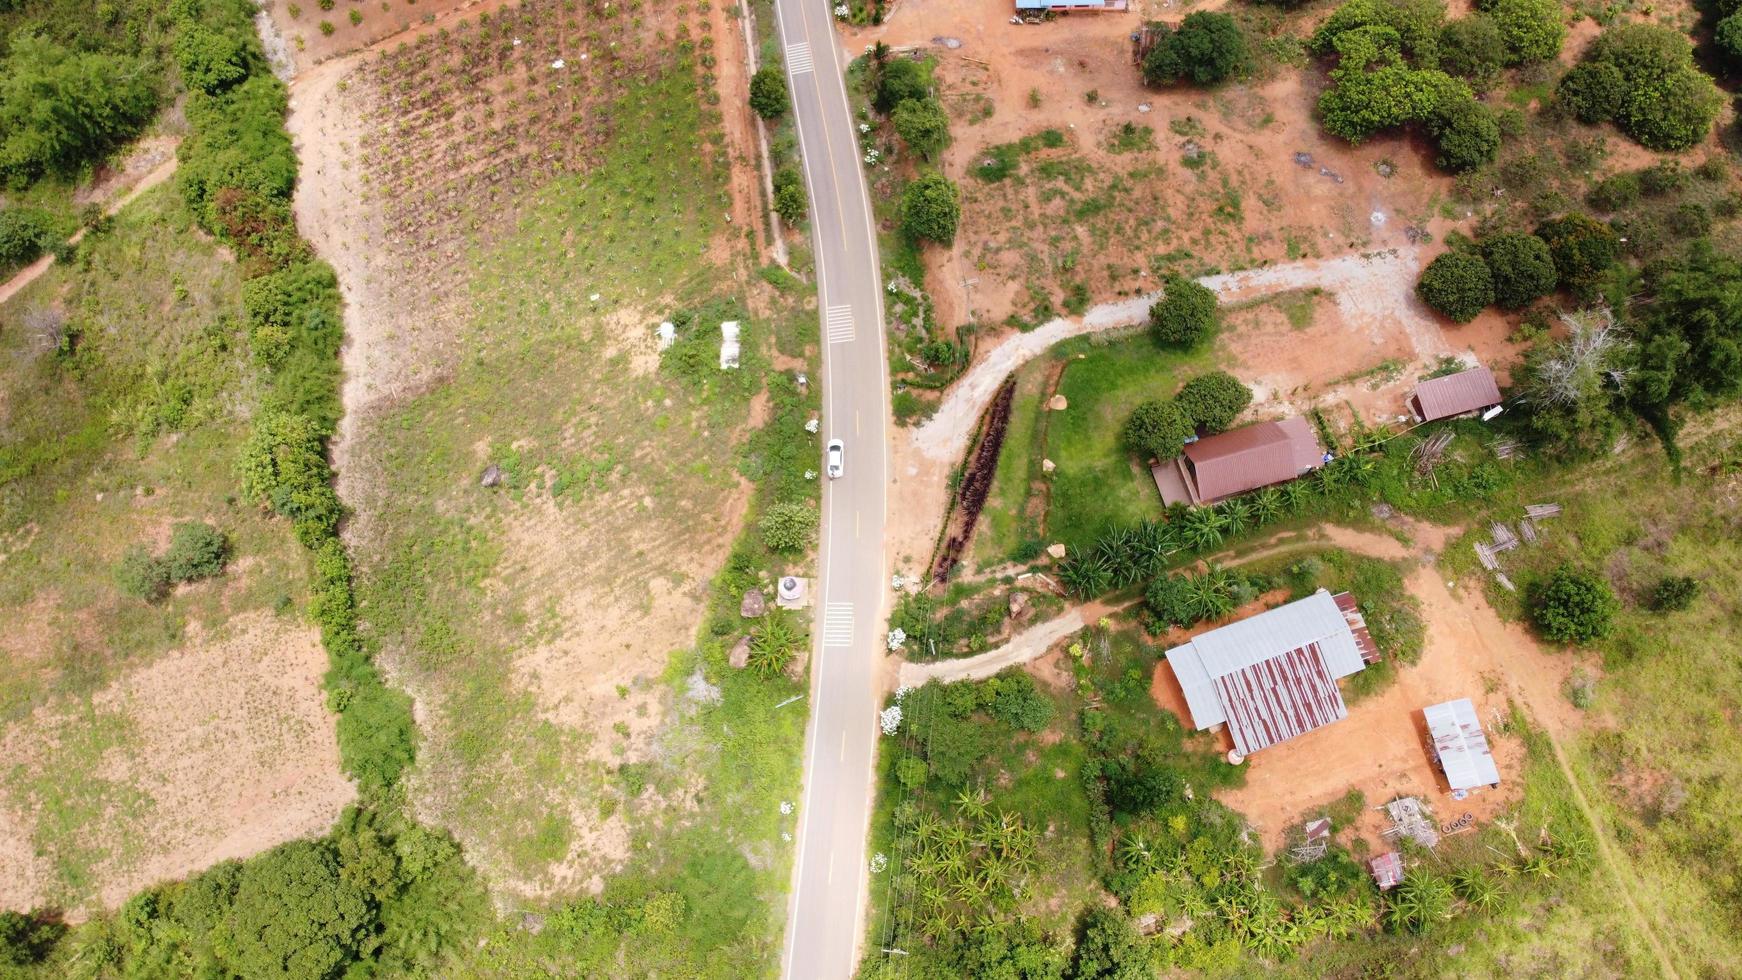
(1381, 748)
(218, 749)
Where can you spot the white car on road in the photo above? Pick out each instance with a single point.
(835, 459)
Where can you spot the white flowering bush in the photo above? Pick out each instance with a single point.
(841, 11)
(897, 638)
(890, 719)
(879, 862)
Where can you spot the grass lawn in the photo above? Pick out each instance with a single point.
(1097, 483)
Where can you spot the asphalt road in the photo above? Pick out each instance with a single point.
(829, 876)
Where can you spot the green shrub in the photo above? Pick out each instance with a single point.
(1616, 192)
(1212, 401)
(1573, 606)
(1332, 876)
(209, 61)
(923, 125)
(788, 527)
(26, 939)
(295, 915)
(196, 550)
(284, 466)
(1457, 284)
(1169, 599)
(1415, 25)
(1663, 177)
(790, 200)
(141, 576)
(1727, 35)
(931, 208)
(24, 233)
(1157, 430)
(1581, 246)
(774, 642)
(1532, 29)
(1674, 593)
(1421, 902)
(1471, 47)
(1186, 314)
(768, 92)
(1522, 269)
(1016, 701)
(1661, 100)
(1690, 219)
(1206, 48)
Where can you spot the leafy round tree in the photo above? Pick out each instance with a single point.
(1582, 247)
(788, 527)
(1210, 47)
(1213, 400)
(1108, 948)
(1592, 91)
(1728, 37)
(1185, 314)
(1457, 284)
(23, 235)
(294, 915)
(1522, 268)
(790, 200)
(768, 92)
(196, 550)
(897, 81)
(1468, 134)
(1574, 606)
(922, 125)
(1671, 114)
(1169, 599)
(1158, 430)
(931, 208)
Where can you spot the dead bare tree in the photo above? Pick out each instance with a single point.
(1579, 364)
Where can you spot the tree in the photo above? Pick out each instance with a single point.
(774, 642)
(1212, 401)
(1468, 133)
(26, 939)
(1674, 593)
(1017, 702)
(1532, 29)
(1419, 903)
(790, 200)
(1522, 268)
(295, 916)
(1582, 248)
(1157, 430)
(1471, 47)
(1457, 284)
(897, 81)
(59, 108)
(1206, 47)
(1574, 606)
(923, 125)
(209, 60)
(1186, 313)
(1727, 35)
(1108, 948)
(768, 92)
(1169, 599)
(931, 208)
(1414, 25)
(1569, 388)
(788, 527)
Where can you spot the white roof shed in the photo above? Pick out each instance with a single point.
(1461, 745)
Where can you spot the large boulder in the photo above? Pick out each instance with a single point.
(739, 658)
(754, 605)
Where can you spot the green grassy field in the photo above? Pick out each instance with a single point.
(134, 423)
(1097, 483)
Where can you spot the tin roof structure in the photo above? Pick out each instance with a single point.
(1461, 744)
(1455, 394)
(1252, 456)
(1271, 676)
(1387, 870)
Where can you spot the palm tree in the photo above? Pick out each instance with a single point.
(1208, 597)
(1476, 889)
(773, 643)
(1295, 494)
(1135, 852)
(1202, 527)
(1236, 516)
(1266, 506)
(972, 804)
(1085, 575)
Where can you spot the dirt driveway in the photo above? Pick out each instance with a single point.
(1382, 748)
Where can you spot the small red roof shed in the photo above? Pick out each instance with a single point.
(1252, 456)
(1455, 394)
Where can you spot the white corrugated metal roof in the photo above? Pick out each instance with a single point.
(1236, 646)
(1461, 744)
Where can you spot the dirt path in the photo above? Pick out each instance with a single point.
(1022, 648)
(1370, 290)
(31, 272)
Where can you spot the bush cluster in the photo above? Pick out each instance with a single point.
(1642, 76)
(790, 200)
(1457, 284)
(196, 551)
(788, 527)
(923, 125)
(1186, 314)
(768, 94)
(931, 208)
(61, 107)
(24, 235)
(1159, 429)
(1574, 606)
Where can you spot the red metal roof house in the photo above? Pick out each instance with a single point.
(1464, 393)
(1253, 456)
